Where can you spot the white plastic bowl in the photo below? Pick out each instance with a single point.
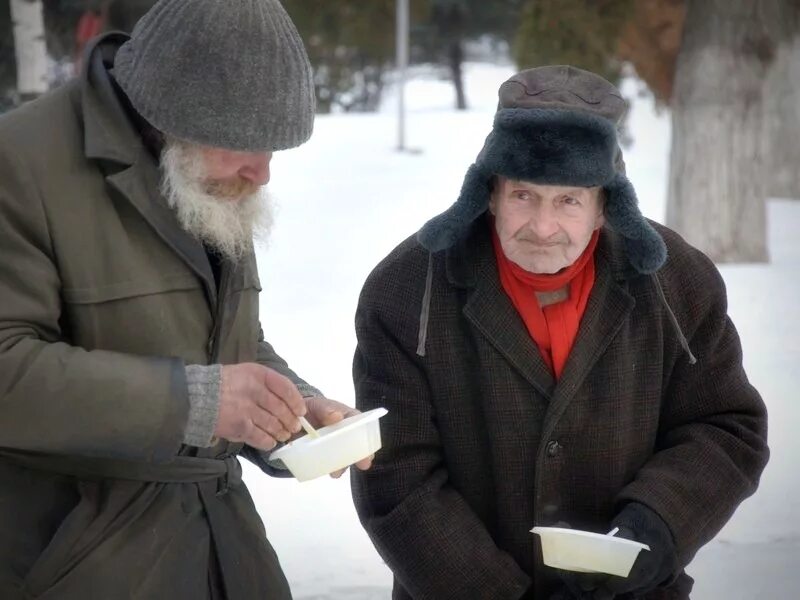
(587, 552)
(338, 446)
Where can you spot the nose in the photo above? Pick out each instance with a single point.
(544, 221)
(256, 168)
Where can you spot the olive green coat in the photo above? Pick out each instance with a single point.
(103, 300)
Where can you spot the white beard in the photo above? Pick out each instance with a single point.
(226, 225)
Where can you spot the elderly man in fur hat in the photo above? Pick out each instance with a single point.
(548, 356)
(133, 371)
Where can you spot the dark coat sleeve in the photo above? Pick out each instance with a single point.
(269, 358)
(434, 543)
(55, 397)
(712, 442)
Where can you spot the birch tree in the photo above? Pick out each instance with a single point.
(718, 164)
(729, 70)
(782, 98)
(29, 43)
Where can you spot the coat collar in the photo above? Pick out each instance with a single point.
(471, 265)
(108, 132)
(111, 139)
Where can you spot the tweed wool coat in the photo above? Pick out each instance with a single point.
(103, 301)
(481, 444)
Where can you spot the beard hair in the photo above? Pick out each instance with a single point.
(225, 216)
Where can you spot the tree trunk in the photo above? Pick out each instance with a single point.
(717, 184)
(456, 56)
(782, 97)
(29, 42)
(449, 19)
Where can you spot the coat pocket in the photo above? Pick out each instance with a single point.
(124, 535)
(57, 554)
(166, 316)
(130, 289)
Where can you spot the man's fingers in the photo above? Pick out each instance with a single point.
(365, 463)
(271, 425)
(323, 411)
(286, 391)
(335, 406)
(260, 439)
(275, 406)
(328, 417)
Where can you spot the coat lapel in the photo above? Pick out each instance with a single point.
(472, 264)
(139, 185)
(492, 313)
(111, 139)
(608, 307)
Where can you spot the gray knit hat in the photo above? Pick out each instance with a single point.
(226, 73)
(555, 125)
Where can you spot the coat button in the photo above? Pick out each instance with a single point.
(553, 448)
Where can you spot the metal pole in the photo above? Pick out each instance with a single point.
(402, 67)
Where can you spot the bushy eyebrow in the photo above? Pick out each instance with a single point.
(572, 191)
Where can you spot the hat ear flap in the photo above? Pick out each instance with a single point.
(644, 246)
(445, 229)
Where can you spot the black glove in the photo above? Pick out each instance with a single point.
(652, 568)
(582, 586)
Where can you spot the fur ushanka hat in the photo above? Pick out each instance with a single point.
(555, 125)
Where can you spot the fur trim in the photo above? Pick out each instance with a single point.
(644, 247)
(551, 147)
(444, 230)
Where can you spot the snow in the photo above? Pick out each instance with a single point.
(347, 198)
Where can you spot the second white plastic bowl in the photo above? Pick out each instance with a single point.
(587, 552)
(338, 446)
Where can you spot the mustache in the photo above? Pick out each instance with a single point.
(227, 224)
(528, 236)
(234, 188)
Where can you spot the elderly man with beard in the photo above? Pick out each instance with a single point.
(133, 371)
(550, 357)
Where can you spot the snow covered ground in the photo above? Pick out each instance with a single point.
(347, 198)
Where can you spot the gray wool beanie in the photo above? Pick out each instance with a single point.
(555, 125)
(225, 73)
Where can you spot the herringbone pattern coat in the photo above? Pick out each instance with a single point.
(481, 444)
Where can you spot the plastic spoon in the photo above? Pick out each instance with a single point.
(307, 426)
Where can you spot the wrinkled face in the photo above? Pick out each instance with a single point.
(544, 228)
(218, 195)
(232, 175)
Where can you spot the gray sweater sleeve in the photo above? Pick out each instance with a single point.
(204, 384)
(204, 396)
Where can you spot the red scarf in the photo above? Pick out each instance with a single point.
(554, 327)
